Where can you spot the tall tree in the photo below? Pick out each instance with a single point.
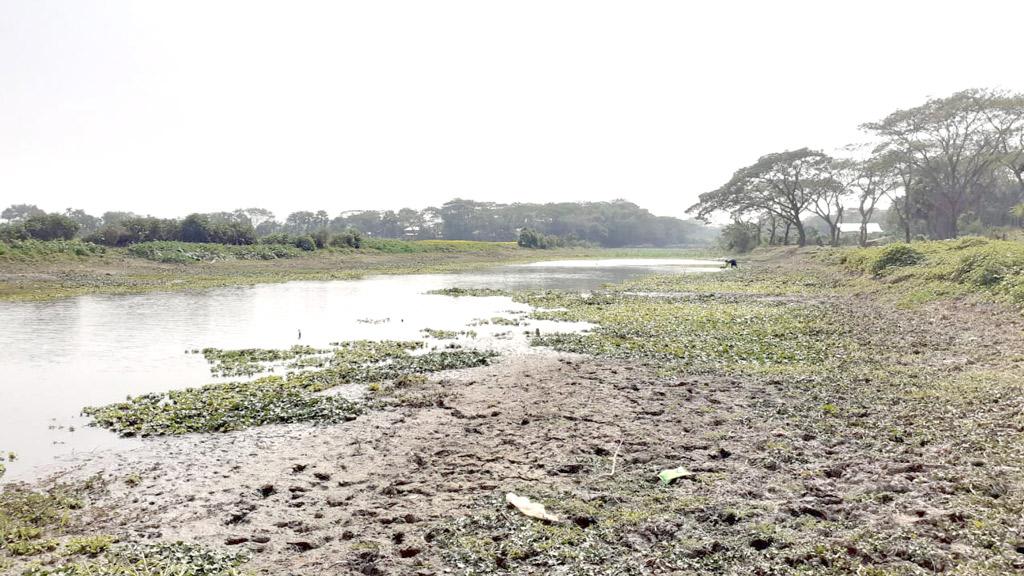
(782, 184)
(953, 144)
(829, 186)
(875, 178)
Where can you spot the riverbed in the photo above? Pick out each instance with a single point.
(57, 357)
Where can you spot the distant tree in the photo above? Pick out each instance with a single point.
(391, 225)
(51, 227)
(114, 218)
(195, 228)
(829, 189)
(875, 178)
(740, 236)
(86, 222)
(20, 212)
(305, 222)
(256, 216)
(1018, 213)
(268, 227)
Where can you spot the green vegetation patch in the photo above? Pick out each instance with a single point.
(184, 252)
(475, 292)
(221, 408)
(250, 361)
(224, 407)
(41, 535)
(151, 559)
(391, 246)
(668, 318)
(930, 270)
(42, 250)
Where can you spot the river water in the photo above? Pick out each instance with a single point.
(57, 357)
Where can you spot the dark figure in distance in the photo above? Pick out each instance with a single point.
(730, 263)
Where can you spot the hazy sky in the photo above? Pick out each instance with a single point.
(180, 106)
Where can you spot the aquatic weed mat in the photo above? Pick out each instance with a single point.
(295, 397)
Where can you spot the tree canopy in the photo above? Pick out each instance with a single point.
(949, 165)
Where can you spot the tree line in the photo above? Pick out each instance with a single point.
(617, 223)
(950, 166)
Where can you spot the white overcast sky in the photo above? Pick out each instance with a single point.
(180, 106)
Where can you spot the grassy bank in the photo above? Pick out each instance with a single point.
(34, 270)
(828, 430)
(927, 271)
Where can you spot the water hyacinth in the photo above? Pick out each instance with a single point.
(224, 407)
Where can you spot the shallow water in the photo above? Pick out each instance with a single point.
(57, 357)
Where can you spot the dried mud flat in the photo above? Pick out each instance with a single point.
(787, 475)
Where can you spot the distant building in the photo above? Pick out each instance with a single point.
(854, 228)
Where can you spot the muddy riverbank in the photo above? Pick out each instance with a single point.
(823, 430)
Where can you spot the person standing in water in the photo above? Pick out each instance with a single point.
(300, 333)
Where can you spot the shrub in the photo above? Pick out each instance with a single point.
(320, 237)
(350, 238)
(306, 243)
(13, 232)
(530, 238)
(896, 256)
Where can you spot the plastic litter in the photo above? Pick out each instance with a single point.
(672, 474)
(530, 508)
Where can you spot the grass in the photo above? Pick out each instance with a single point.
(39, 250)
(148, 559)
(390, 246)
(848, 395)
(34, 271)
(928, 271)
(41, 534)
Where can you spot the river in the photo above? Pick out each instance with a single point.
(57, 357)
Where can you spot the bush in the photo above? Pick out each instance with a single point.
(350, 238)
(183, 252)
(30, 250)
(990, 266)
(13, 233)
(896, 256)
(530, 238)
(305, 243)
(320, 238)
(135, 229)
